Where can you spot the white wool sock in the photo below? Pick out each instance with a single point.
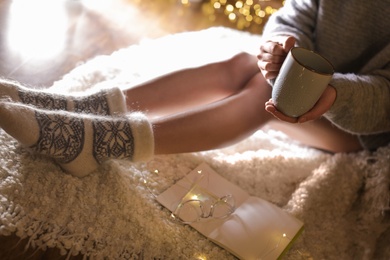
(106, 102)
(78, 142)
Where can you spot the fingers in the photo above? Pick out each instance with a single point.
(289, 43)
(271, 57)
(279, 45)
(268, 69)
(323, 105)
(268, 57)
(270, 107)
(272, 54)
(273, 48)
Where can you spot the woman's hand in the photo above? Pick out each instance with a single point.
(323, 105)
(272, 54)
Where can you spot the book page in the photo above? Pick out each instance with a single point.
(257, 229)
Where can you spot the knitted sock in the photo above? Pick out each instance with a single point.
(78, 142)
(106, 102)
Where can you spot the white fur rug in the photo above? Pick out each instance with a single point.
(342, 199)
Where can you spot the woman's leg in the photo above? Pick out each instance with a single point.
(230, 120)
(168, 94)
(106, 102)
(186, 89)
(211, 126)
(217, 124)
(320, 134)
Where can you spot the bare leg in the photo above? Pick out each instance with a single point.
(230, 120)
(185, 89)
(320, 134)
(214, 106)
(197, 109)
(217, 124)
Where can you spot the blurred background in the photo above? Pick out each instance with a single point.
(41, 40)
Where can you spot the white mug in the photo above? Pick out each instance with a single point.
(302, 79)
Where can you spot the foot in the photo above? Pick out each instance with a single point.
(79, 143)
(106, 102)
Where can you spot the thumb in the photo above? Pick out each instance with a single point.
(289, 43)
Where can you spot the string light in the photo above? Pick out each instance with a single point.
(194, 197)
(246, 15)
(269, 248)
(201, 257)
(243, 13)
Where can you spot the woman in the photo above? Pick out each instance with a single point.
(219, 104)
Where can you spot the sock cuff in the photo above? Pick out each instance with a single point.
(143, 136)
(116, 101)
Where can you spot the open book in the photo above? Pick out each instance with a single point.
(256, 229)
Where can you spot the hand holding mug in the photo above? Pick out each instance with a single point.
(302, 80)
(323, 105)
(272, 54)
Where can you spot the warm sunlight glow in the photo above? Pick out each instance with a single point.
(37, 28)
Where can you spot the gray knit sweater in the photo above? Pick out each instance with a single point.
(355, 36)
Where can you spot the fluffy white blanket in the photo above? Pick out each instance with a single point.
(342, 199)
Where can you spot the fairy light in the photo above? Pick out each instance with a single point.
(201, 257)
(229, 9)
(245, 14)
(239, 4)
(194, 197)
(270, 247)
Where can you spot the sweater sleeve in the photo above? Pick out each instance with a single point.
(296, 18)
(362, 105)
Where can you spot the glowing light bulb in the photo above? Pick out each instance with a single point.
(201, 257)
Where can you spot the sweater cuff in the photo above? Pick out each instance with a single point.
(143, 136)
(336, 82)
(340, 114)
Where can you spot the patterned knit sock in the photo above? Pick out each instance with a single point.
(78, 142)
(106, 102)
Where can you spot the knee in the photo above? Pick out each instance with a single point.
(239, 70)
(242, 62)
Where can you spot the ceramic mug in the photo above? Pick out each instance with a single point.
(302, 79)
